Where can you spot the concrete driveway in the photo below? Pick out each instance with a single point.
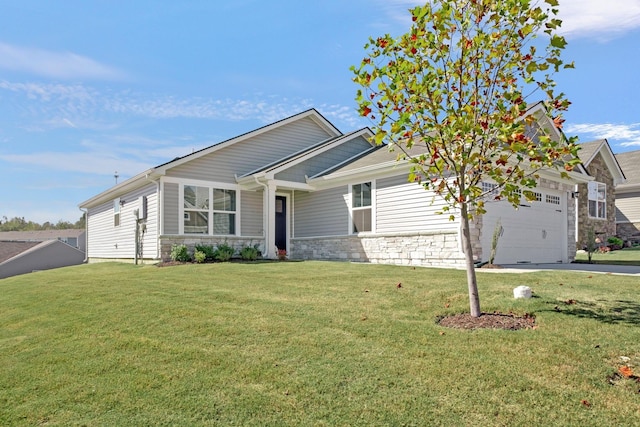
(593, 268)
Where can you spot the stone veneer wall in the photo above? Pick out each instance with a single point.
(166, 242)
(439, 249)
(603, 228)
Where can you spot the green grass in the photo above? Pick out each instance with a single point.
(627, 256)
(312, 344)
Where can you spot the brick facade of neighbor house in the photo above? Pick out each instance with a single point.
(603, 228)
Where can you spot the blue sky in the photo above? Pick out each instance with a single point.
(91, 87)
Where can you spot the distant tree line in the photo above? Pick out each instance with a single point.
(21, 224)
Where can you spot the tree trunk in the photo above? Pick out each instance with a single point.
(472, 283)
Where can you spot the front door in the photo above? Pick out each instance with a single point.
(281, 222)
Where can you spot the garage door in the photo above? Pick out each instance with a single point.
(533, 233)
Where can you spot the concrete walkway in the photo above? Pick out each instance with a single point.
(592, 268)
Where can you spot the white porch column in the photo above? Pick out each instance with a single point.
(270, 218)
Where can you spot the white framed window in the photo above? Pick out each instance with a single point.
(208, 210)
(532, 196)
(489, 189)
(551, 199)
(597, 199)
(196, 209)
(224, 211)
(361, 209)
(116, 212)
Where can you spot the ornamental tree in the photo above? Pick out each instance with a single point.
(456, 89)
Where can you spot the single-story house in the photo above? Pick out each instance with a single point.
(628, 198)
(27, 251)
(303, 186)
(596, 200)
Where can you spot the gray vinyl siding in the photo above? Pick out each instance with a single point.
(105, 240)
(403, 207)
(171, 209)
(325, 160)
(245, 156)
(251, 219)
(321, 213)
(628, 207)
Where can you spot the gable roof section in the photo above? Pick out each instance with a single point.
(11, 249)
(303, 155)
(379, 161)
(154, 173)
(311, 113)
(384, 160)
(630, 164)
(589, 150)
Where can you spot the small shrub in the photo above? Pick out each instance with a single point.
(199, 256)
(209, 252)
(249, 253)
(180, 253)
(615, 242)
(224, 252)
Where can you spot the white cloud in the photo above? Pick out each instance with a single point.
(596, 19)
(101, 163)
(624, 135)
(47, 91)
(58, 65)
(599, 19)
(85, 107)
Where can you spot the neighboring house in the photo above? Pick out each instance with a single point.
(27, 251)
(628, 198)
(596, 200)
(303, 186)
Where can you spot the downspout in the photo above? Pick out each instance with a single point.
(136, 212)
(265, 216)
(158, 210)
(86, 235)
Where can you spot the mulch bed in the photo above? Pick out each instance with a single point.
(488, 321)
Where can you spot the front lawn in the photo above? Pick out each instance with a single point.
(627, 256)
(313, 344)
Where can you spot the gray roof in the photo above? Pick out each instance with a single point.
(10, 249)
(40, 235)
(303, 152)
(378, 155)
(630, 164)
(588, 150)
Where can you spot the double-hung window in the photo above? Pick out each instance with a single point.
(196, 209)
(209, 210)
(597, 195)
(224, 208)
(361, 207)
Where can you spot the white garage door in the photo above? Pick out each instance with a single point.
(533, 233)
